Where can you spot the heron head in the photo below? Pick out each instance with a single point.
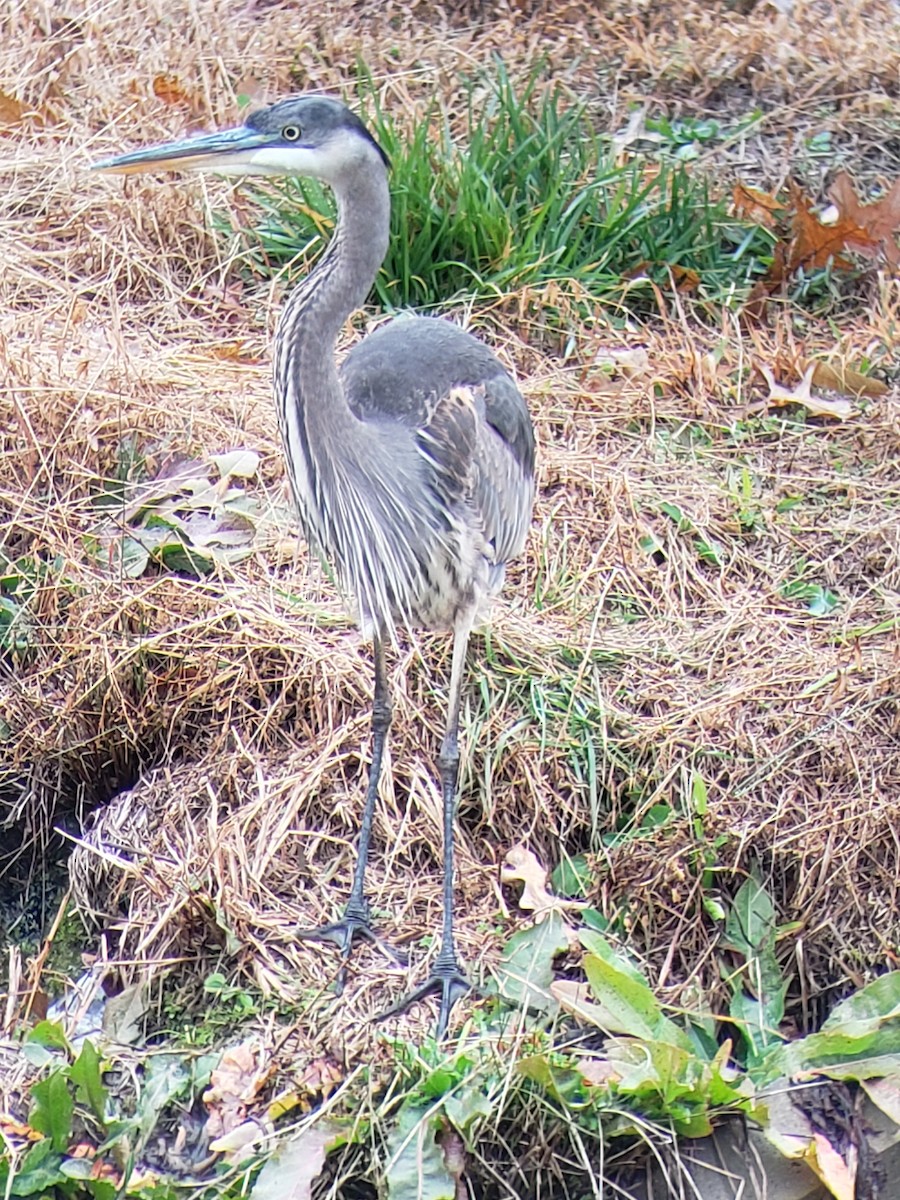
(304, 135)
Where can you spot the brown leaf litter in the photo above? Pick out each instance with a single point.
(521, 865)
(234, 1085)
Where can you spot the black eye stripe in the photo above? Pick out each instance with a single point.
(291, 133)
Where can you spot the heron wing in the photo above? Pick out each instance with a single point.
(470, 419)
(504, 468)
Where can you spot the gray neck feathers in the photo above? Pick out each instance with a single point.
(316, 310)
(321, 435)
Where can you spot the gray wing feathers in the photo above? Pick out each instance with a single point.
(413, 371)
(504, 488)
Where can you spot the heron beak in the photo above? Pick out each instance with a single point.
(229, 152)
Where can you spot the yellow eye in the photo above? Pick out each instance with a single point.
(291, 133)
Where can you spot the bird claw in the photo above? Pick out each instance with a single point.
(353, 924)
(446, 977)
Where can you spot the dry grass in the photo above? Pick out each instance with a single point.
(221, 727)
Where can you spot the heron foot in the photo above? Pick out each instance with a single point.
(354, 924)
(448, 978)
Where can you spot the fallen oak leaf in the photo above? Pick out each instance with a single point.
(11, 110)
(761, 207)
(815, 244)
(878, 220)
(778, 396)
(233, 1084)
(835, 377)
(811, 243)
(522, 865)
(170, 90)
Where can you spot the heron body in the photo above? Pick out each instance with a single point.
(411, 462)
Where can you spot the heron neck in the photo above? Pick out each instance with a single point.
(305, 370)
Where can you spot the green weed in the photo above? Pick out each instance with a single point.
(685, 138)
(21, 579)
(749, 511)
(87, 1137)
(222, 1009)
(820, 601)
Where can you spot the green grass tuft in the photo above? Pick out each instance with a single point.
(520, 193)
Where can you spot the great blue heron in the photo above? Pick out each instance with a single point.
(411, 463)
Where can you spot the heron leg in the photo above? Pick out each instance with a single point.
(447, 975)
(355, 922)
